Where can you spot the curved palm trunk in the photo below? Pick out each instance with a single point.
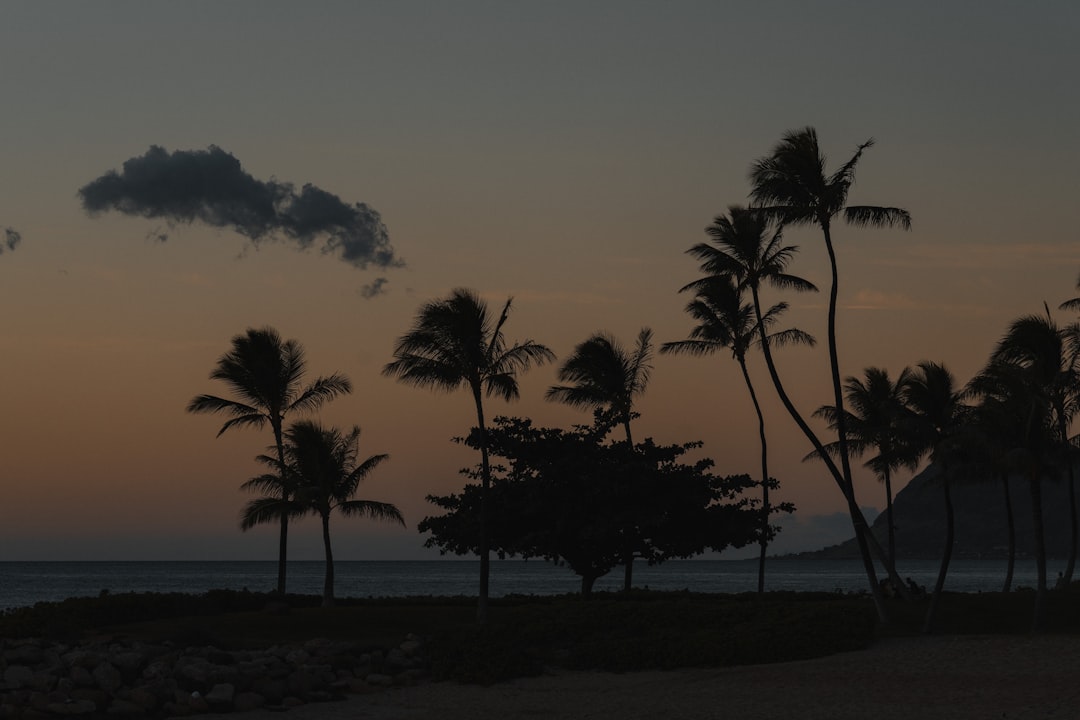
(858, 521)
(1012, 533)
(889, 516)
(283, 537)
(328, 582)
(1040, 550)
(946, 555)
(766, 509)
(485, 487)
(628, 550)
(861, 526)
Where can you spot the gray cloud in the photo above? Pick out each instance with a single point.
(11, 240)
(374, 288)
(209, 186)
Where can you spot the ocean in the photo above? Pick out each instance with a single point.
(26, 583)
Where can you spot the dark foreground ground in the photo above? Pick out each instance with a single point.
(905, 678)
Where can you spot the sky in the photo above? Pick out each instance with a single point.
(562, 153)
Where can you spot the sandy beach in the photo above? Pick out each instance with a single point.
(906, 678)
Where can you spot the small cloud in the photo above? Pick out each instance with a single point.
(211, 187)
(12, 238)
(373, 289)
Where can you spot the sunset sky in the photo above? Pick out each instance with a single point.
(562, 153)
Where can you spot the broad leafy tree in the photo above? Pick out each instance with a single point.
(456, 343)
(605, 376)
(266, 377)
(324, 473)
(726, 322)
(568, 496)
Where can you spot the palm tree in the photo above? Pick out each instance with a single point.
(726, 322)
(453, 343)
(1072, 303)
(939, 418)
(877, 421)
(324, 476)
(747, 249)
(607, 377)
(1044, 358)
(266, 376)
(790, 185)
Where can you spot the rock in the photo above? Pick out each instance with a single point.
(379, 680)
(107, 677)
(81, 676)
(125, 707)
(247, 701)
(292, 701)
(75, 707)
(18, 676)
(221, 696)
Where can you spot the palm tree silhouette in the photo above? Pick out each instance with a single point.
(606, 376)
(1045, 360)
(999, 420)
(725, 322)
(324, 475)
(790, 184)
(453, 343)
(747, 249)
(939, 414)
(266, 376)
(877, 421)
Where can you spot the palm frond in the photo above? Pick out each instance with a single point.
(386, 512)
(879, 217)
(264, 510)
(322, 390)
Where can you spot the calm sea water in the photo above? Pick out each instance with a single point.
(26, 583)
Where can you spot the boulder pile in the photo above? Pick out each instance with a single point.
(43, 679)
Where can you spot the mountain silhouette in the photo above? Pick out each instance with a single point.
(981, 520)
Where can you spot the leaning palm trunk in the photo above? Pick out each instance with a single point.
(946, 556)
(1012, 533)
(328, 581)
(857, 519)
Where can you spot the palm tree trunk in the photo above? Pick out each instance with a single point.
(1040, 550)
(857, 519)
(587, 581)
(834, 367)
(328, 582)
(889, 517)
(946, 555)
(1071, 565)
(485, 525)
(766, 509)
(283, 537)
(628, 550)
(1012, 533)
